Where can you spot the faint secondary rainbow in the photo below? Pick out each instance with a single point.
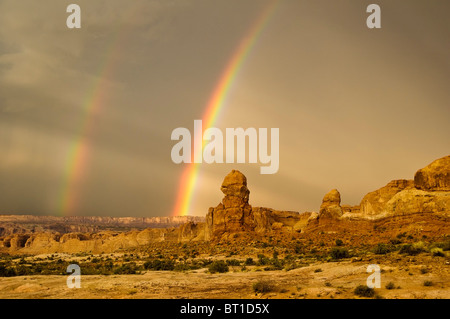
(80, 148)
(216, 102)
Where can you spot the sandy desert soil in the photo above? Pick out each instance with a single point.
(319, 280)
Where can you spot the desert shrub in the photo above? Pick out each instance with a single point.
(411, 250)
(7, 271)
(233, 262)
(424, 270)
(390, 285)
(427, 283)
(318, 270)
(290, 266)
(439, 252)
(446, 245)
(276, 264)
(339, 253)
(159, 264)
(298, 248)
(23, 270)
(125, 269)
(339, 242)
(395, 241)
(249, 261)
(262, 286)
(218, 266)
(364, 291)
(263, 260)
(182, 267)
(381, 249)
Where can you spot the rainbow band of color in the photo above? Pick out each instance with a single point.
(190, 174)
(80, 149)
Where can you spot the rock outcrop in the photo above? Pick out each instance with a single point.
(22, 224)
(416, 201)
(233, 214)
(331, 206)
(400, 203)
(330, 211)
(435, 176)
(428, 193)
(374, 203)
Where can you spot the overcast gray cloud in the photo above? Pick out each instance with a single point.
(355, 107)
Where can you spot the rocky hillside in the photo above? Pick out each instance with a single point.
(420, 206)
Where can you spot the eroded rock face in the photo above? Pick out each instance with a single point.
(434, 177)
(414, 201)
(374, 203)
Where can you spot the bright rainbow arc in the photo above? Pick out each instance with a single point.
(216, 102)
(80, 149)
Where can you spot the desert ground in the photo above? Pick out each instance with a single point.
(417, 277)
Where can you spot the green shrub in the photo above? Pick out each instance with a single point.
(276, 264)
(233, 262)
(262, 286)
(381, 249)
(339, 242)
(263, 260)
(424, 270)
(427, 283)
(438, 252)
(364, 291)
(339, 253)
(125, 269)
(290, 266)
(159, 264)
(7, 272)
(411, 250)
(390, 285)
(182, 267)
(218, 266)
(249, 261)
(318, 270)
(446, 245)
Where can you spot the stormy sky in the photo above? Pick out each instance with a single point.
(356, 107)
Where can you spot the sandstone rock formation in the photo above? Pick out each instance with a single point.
(401, 202)
(374, 203)
(435, 176)
(233, 214)
(331, 205)
(428, 193)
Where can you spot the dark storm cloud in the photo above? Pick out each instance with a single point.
(355, 107)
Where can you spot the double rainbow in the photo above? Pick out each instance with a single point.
(216, 102)
(80, 149)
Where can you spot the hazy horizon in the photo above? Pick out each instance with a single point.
(356, 108)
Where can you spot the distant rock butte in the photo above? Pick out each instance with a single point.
(426, 199)
(21, 224)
